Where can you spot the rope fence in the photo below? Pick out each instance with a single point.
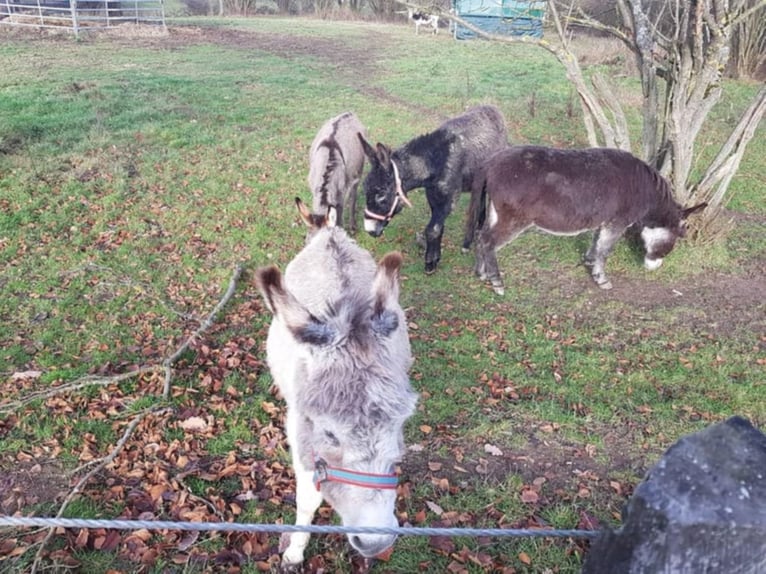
(281, 528)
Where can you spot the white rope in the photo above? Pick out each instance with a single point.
(19, 521)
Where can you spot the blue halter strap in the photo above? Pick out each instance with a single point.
(323, 472)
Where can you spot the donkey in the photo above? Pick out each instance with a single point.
(443, 162)
(336, 161)
(339, 352)
(423, 19)
(567, 192)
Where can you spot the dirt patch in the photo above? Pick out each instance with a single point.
(24, 485)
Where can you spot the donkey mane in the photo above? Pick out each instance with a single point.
(334, 160)
(344, 258)
(666, 211)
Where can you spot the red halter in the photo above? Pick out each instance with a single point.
(323, 472)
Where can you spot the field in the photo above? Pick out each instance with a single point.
(139, 170)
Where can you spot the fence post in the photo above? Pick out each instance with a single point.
(75, 23)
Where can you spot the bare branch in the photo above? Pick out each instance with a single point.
(202, 328)
(745, 14)
(608, 99)
(726, 163)
(77, 385)
(98, 467)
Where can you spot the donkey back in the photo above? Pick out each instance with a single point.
(336, 161)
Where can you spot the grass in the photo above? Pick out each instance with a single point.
(134, 176)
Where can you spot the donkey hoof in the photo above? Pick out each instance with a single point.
(498, 287)
(290, 567)
(605, 285)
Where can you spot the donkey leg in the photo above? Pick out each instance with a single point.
(492, 237)
(486, 262)
(352, 192)
(433, 235)
(434, 232)
(603, 242)
(307, 500)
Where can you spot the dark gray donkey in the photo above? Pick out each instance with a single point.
(339, 352)
(443, 162)
(567, 192)
(336, 161)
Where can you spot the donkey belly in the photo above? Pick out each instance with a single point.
(563, 232)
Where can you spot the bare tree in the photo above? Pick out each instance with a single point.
(748, 55)
(682, 48)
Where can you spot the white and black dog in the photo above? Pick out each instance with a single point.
(423, 19)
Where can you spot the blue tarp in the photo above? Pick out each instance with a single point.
(502, 17)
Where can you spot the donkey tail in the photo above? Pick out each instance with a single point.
(477, 208)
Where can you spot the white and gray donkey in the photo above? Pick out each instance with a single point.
(336, 161)
(339, 352)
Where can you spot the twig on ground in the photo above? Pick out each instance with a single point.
(96, 466)
(202, 328)
(79, 384)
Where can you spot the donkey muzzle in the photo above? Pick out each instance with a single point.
(374, 227)
(370, 545)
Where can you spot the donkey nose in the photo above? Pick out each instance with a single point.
(374, 228)
(370, 545)
(652, 264)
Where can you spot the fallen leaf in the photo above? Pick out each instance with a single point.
(435, 508)
(26, 375)
(524, 557)
(493, 450)
(189, 539)
(442, 543)
(529, 497)
(385, 556)
(194, 424)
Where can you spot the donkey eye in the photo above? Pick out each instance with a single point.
(331, 438)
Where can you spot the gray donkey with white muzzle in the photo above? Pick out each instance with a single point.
(339, 352)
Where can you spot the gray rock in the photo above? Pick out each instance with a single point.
(700, 510)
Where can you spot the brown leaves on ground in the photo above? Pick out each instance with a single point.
(166, 470)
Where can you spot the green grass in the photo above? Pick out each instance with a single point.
(134, 177)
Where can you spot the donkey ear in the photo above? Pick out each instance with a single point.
(368, 149)
(384, 154)
(331, 219)
(303, 211)
(689, 210)
(302, 324)
(385, 291)
(312, 220)
(269, 283)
